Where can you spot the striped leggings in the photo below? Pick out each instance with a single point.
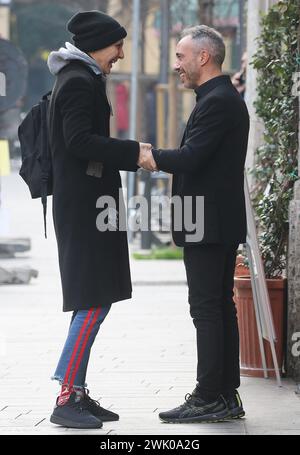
(72, 366)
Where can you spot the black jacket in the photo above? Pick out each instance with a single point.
(210, 163)
(94, 265)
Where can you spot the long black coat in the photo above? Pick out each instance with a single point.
(210, 162)
(94, 265)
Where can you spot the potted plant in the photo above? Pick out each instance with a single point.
(275, 173)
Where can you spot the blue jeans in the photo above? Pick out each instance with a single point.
(73, 362)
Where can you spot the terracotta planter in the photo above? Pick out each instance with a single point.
(250, 358)
(240, 268)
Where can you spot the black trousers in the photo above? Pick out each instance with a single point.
(210, 275)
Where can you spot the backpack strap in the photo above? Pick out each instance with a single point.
(44, 202)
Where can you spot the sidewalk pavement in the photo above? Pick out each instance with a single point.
(143, 360)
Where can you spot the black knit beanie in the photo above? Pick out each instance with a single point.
(94, 30)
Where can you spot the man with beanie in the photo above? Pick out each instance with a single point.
(94, 264)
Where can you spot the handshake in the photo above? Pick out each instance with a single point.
(146, 160)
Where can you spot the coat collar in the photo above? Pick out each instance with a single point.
(98, 77)
(205, 88)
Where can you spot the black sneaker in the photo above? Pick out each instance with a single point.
(74, 414)
(196, 410)
(101, 413)
(235, 405)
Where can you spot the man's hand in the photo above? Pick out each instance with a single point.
(146, 160)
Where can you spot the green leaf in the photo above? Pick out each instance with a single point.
(276, 167)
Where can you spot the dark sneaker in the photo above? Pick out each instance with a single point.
(235, 405)
(196, 410)
(101, 413)
(74, 414)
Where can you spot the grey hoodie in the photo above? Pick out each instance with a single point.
(59, 59)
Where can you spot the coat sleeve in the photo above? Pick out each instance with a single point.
(203, 141)
(76, 99)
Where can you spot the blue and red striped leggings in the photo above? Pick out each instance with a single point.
(72, 366)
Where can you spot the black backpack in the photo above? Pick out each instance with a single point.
(36, 167)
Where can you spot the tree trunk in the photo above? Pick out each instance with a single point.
(293, 329)
(206, 12)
